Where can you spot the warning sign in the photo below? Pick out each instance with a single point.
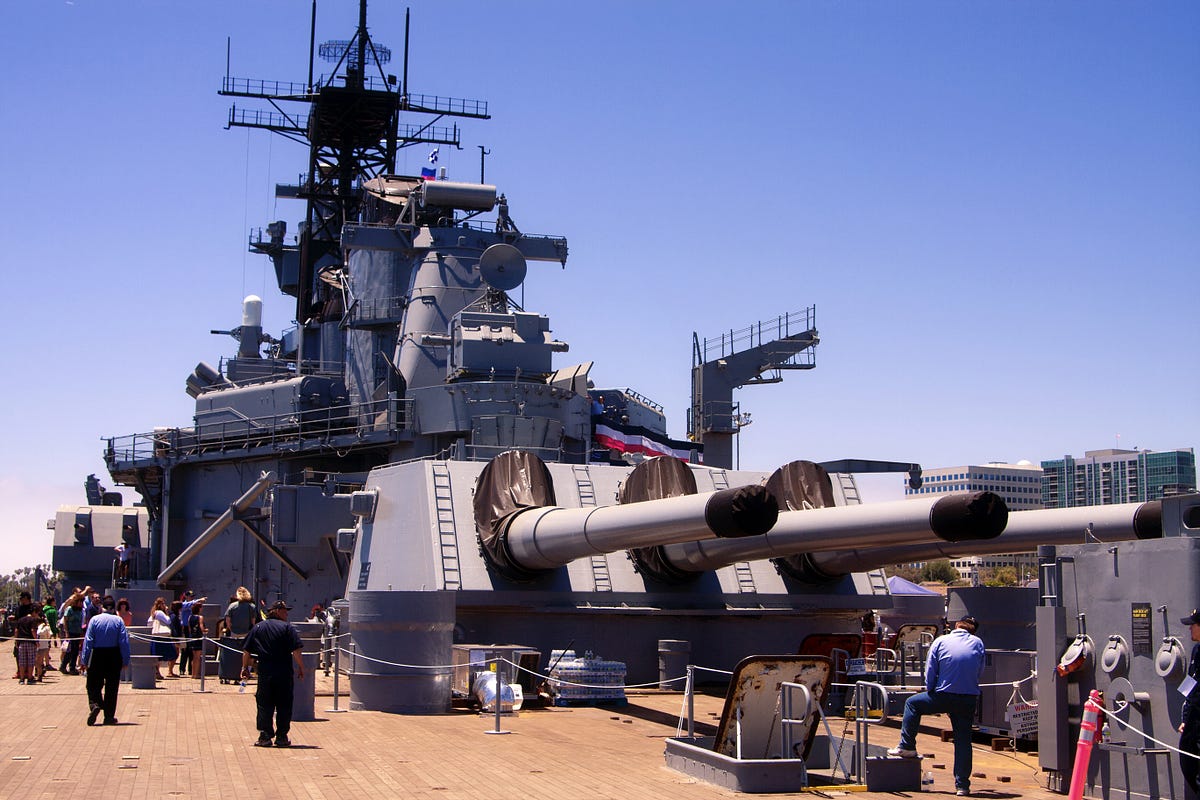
(1140, 640)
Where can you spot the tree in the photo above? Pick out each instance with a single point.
(998, 576)
(24, 580)
(939, 570)
(906, 571)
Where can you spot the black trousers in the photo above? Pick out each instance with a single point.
(70, 656)
(274, 699)
(104, 679)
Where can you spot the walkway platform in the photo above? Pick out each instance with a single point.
(172, 743)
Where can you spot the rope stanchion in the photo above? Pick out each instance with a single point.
(336, 674)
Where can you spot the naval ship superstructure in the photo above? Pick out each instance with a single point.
(346, 455)
(412, 448)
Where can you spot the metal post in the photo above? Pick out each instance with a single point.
(691, 701)
(201, 690)
(336, 671)
(499, 695)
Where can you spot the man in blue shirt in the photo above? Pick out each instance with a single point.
(105, 651)
(951, 687)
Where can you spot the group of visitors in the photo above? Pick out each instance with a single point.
(94, 636)
(178, 632)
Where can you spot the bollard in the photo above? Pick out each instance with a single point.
(1083, 749)
(673, 658)
(304, 690)
(142, 668)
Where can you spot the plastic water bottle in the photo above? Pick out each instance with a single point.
(242, 687)
(927, 781)
(1105, 733)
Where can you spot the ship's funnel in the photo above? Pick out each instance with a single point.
(820, 526)
(524, 534)
(1024, 532)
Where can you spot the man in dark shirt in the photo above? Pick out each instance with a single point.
(275, 642)
(105, 651)
(1189, 728)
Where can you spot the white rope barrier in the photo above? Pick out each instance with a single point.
(1142, 733)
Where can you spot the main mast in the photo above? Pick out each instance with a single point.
(353, 132)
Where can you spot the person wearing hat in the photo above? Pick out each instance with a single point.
(951, 687)
(275, 642)
(105, 652)
(1189, 728)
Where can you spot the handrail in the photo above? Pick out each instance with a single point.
(360, 419)
(862, 691)
(735, 341)
(788, 718)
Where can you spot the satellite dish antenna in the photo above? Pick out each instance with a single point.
(502, 267)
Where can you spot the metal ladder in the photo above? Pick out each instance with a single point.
(601, 580)
(849, 488)
(745, 577)
(443, 499)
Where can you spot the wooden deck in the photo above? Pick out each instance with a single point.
(175, 743)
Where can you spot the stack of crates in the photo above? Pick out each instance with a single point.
(587, 680)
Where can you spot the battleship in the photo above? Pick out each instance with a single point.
(421, 453)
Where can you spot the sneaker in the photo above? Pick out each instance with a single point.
(110, 721)
(963, 793)
(283, 741)
(93, 715)
(900, 752)
(263, 741)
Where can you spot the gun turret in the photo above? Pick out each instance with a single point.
(524, 533)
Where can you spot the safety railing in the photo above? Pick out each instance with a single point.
(360, 420)
(762, 332)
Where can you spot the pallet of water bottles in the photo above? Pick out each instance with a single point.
(586, 681)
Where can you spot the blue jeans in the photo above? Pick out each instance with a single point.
(961, 709)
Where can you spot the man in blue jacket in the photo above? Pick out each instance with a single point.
(105, 651)
(951, 687)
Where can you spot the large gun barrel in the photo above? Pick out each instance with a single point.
(524, 533)
(1025, 531)
(963, 517)
(543, 538)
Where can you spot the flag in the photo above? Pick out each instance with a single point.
(428, 174)
(611, 435)
(433, 155)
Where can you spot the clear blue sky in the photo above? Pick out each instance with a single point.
(994, 207)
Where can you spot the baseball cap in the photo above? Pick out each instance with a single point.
(1193, 619)
(969, 620)
(279, 605)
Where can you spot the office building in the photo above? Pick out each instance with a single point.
(1020, 485)
(1109, 477)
